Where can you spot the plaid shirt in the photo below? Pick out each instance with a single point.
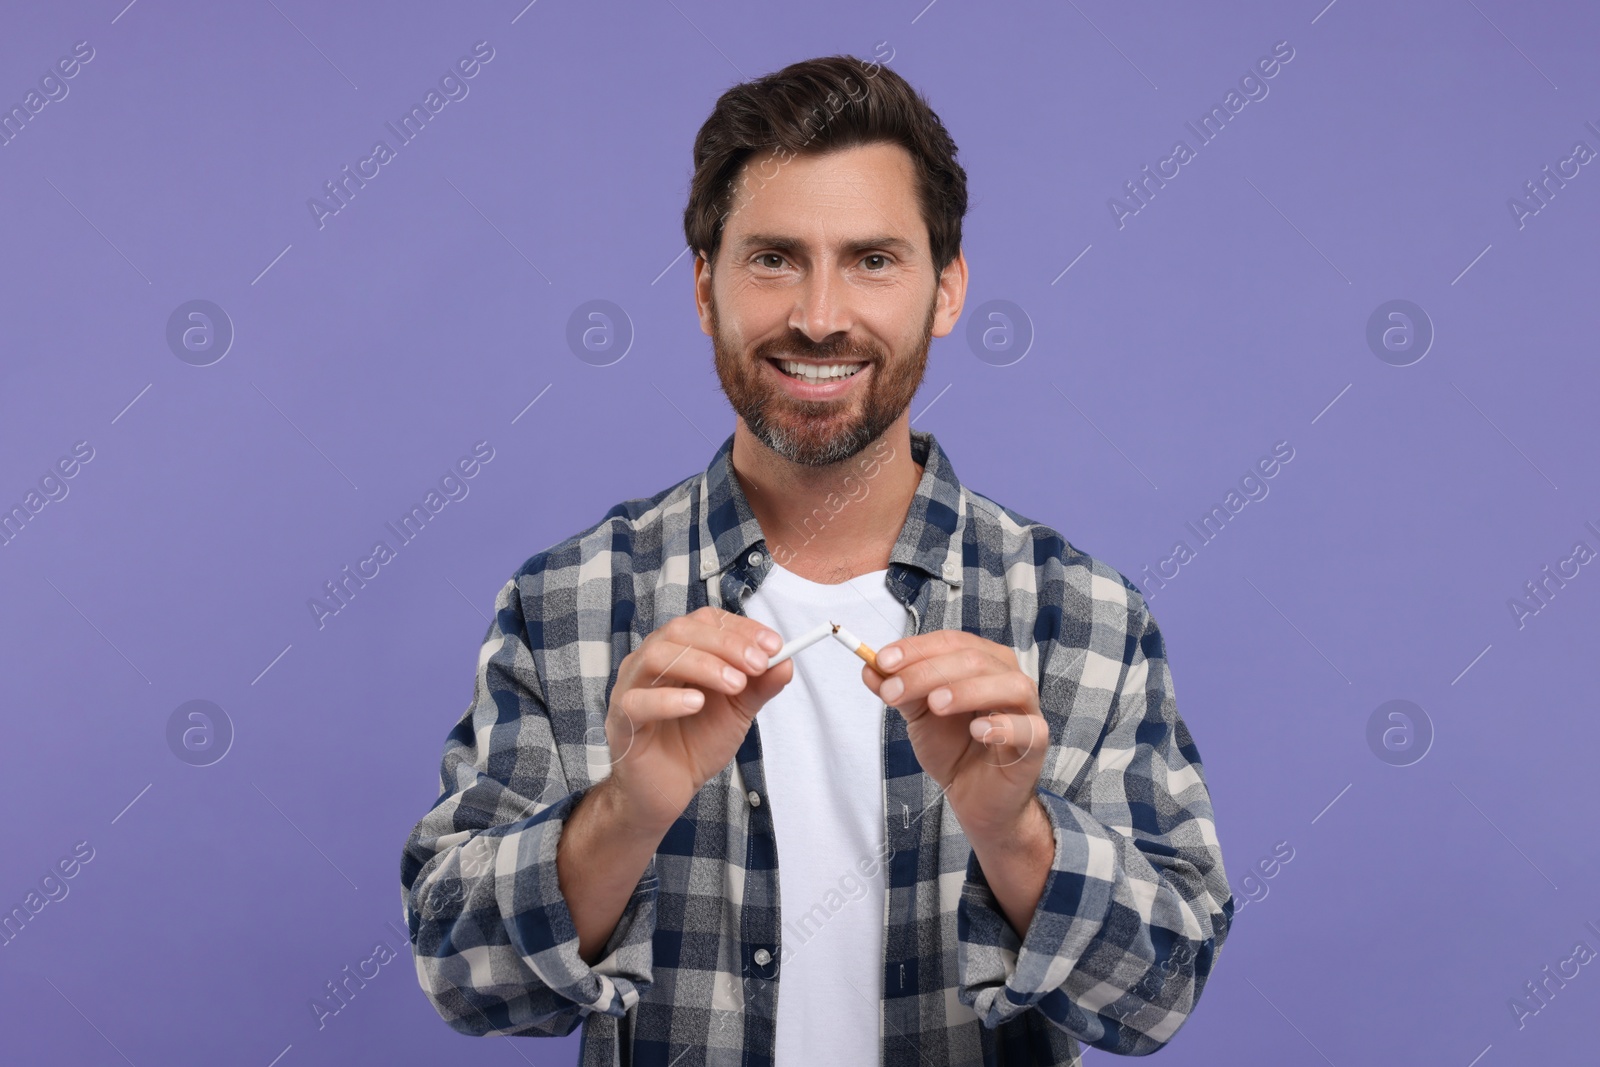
(1134, 910)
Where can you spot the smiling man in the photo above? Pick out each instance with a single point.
(996, 844)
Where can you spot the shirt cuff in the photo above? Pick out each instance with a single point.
(1001, 975)
(540, 924)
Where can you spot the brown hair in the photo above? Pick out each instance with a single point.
(812, 107)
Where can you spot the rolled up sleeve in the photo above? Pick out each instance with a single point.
(493, 939)
(1136, 904)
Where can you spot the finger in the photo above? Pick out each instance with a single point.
(917, 679)
(644, 705)
(1007, 691)
(742, 625)
(736, 643)
(667, 663)
(1025, 732)
(767, 684)
(762, 688)
(921, 647)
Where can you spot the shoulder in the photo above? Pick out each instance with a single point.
(1062, 575)
(634, 535)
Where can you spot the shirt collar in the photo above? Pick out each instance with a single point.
(929, 541)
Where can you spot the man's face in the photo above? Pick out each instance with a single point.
(823, 300)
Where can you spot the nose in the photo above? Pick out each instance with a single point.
(821, 307)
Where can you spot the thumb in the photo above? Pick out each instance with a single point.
(1018, 732)
(768, 684)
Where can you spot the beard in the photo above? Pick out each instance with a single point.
(817, 433)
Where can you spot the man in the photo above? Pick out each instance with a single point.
(995, 845)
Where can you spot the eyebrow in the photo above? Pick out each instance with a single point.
(778, 242)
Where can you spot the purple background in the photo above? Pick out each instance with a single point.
(1229, 314)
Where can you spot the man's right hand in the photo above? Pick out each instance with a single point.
(682, 705)
(680, 708)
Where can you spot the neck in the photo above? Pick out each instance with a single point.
(830, 524)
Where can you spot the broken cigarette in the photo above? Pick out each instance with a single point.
(819, 632)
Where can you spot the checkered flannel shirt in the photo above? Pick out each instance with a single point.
(1134, 910)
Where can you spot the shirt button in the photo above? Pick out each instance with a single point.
(754, 798)
(755, 559)
(763, 957)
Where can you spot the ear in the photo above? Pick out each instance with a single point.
(952, 294)
(702, 292)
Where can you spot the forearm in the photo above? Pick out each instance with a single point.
(1016, 863)
(599, 860)
(1177, 893)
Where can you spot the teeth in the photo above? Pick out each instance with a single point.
(812, 372)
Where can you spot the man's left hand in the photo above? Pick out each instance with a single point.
(972, 715)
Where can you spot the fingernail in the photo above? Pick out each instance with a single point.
(891, 688)
(733, 677)
(756, 659)
(889, 657)
(939, 698)
(984, 727)
(769, 641)
(693, 698)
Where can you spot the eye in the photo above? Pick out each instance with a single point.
(764, 258)
(882, 261)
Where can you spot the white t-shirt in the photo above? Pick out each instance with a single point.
(822, 754)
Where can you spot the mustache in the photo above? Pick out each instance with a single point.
(841, 348)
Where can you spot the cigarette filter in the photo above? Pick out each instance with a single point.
(856, 645)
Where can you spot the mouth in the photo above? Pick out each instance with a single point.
(815, 373)
(815, 380)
